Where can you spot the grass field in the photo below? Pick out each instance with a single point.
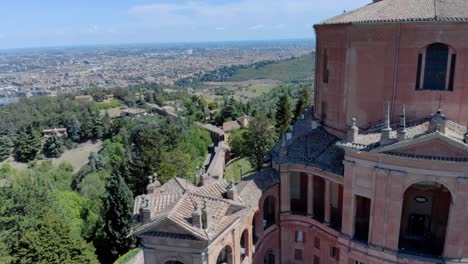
(233, 168)
(296, 69)
(77, 157)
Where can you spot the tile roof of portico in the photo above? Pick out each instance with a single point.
(404, 11)
(311, 147)
(175, 203)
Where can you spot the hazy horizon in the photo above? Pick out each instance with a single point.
(55, 23)
(130, 44)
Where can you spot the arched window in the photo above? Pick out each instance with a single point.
(244, 245)
(269, 257)
(436, 68)
(225, 256)
(254, 231)
(269, 214)
(424, 219)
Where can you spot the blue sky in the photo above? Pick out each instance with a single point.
(38, 23)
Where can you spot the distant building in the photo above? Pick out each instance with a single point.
(132, 112)
(84, 97)
(60, 132)
(241, 122)
(108, 97)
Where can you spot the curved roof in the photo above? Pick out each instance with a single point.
(405, 11)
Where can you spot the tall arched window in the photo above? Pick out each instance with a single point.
(436, 68)
(269, 214)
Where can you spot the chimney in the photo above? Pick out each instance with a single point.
(386, 131)
(196, 216)
(353, 131)
(145, 212)
(401, 133)
(230, 192)
(205, 216)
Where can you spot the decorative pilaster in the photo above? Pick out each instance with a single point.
(285, 192)
(327, 202)
(310, 195)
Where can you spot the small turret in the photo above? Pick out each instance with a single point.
(387, 130)
(401, 133)
(153, 183)
(353, 130)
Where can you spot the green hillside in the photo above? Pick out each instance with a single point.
(291, 70)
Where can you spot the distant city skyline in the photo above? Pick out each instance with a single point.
(29, 23)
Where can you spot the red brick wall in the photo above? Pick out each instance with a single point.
(368, 67)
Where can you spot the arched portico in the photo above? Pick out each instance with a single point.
(424, 218)
(244, 245)
(269, 212)
(225, 256)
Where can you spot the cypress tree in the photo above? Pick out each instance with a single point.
(74, 128)
(96, 124)
(27, 144)
(53, 147)
(302, 103)
(283, 115)
(106, 122)
(5, 147)
(117, 216)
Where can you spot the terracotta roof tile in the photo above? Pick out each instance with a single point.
(398, 11)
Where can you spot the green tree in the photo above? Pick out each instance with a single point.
(144, 155)
(53, 147)
(52, 242)
(74, 128)
(117, 214)
(237, 141)
(27, 144)
(35, 228)
(302, 103)
(283, 115)
(259, 139)
(87, 125)
(5, 147)
(106, 122)
(96, 123)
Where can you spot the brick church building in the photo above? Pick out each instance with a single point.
(376, 173)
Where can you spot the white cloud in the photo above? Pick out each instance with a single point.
(257, 27)
(242, 13)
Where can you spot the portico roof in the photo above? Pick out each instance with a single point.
(173, 203)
